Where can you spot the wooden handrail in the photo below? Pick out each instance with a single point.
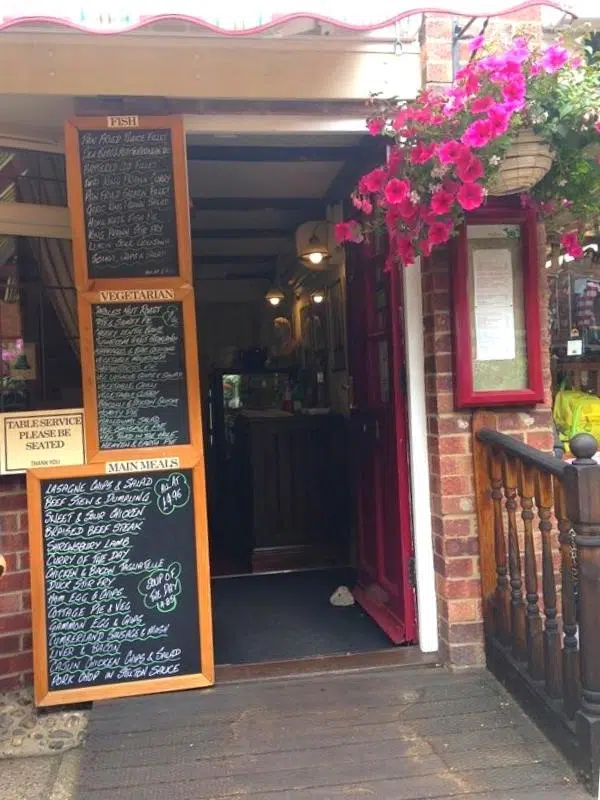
(523, 452)
(539, 546)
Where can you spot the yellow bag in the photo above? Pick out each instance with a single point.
(586, 417)
(565, 402)
(576, 412)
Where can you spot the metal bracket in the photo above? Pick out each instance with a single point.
(457, 35)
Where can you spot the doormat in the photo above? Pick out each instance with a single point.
(277, 617)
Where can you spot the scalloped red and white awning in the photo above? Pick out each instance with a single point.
(243, 17)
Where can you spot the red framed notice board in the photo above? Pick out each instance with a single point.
(496, 310)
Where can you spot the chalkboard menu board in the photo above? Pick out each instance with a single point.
(120, 580)
(140, 375)
(129, 203)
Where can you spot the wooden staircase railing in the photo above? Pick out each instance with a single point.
(539, 538)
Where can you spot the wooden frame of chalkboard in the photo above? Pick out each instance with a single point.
(142, 222)
(175, 432)
(153, 587)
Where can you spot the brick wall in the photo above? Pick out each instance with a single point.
(15, 596)
(454, 524)
(456, 550)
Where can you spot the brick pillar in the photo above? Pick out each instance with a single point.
(456, 549)
(15, 596)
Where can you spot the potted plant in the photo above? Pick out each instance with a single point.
(517, 120)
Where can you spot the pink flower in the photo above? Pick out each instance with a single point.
(449, 151)
(405, 250)
(491, 63)
(482, 104)
(454, 105)
(400, 120)
(570, 242)
(375, 125)
(511, 68)
(513, 105)
(514, 90)
(425, 246)
(472, 84)
(373, 181)
(449, 185)
(349, 232)
(499, 119)
(520, 49)
(554, 58)
(439, 232)
(407, 210)
(441, 202)
(396, 191)
(422, 152)
(478, 134)
(426, 214)
(576, 63)
(597, 126)
(470, 171)
(470, 196)
(476, 43)
(362, 203)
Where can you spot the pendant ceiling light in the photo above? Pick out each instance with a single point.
(313, 244)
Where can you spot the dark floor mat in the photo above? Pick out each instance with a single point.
(288, 615)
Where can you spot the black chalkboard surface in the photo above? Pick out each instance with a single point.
(140, 375)
(120, 581)
(129, 203)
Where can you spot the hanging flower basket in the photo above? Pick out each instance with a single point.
(518, 120)
(527, 161)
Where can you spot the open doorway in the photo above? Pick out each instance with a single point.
(290, 520)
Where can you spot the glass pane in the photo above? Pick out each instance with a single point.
(27, 176)
(498, 335)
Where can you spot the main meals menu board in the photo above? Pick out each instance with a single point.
(120, 581)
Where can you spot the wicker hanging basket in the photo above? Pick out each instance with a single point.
(524, 165)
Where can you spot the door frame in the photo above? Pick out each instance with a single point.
(418, 457)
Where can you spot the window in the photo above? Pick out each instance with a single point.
(39, 336)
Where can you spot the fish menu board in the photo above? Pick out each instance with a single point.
(118, 566)
(139, 367)
(128, 203)
(128, 196)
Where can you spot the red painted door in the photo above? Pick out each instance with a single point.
(380, 448)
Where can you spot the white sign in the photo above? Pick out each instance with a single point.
(575, 347)
(493, 289)
(35, 439)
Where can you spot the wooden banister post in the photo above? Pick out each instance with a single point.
(582, 485)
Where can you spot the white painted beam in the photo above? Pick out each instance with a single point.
(419, 462)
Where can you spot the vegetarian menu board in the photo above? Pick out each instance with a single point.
(121, 581)
(140, 370)
(140, 375)
(128, 197)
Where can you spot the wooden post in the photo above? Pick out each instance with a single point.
(582, 485)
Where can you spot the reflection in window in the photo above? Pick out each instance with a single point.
(39, 337)
(27, 176)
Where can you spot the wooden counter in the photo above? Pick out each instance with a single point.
(291, 479)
